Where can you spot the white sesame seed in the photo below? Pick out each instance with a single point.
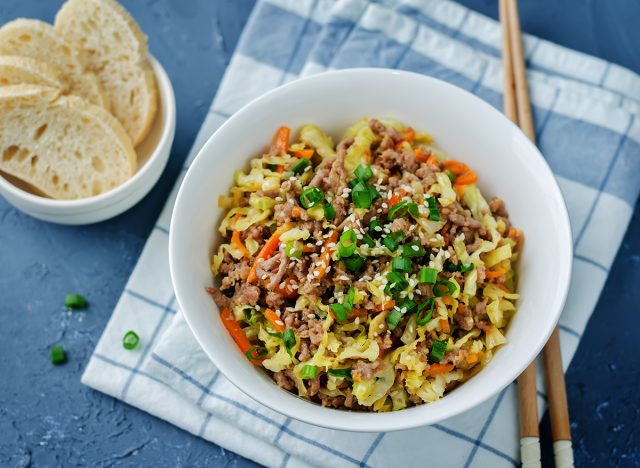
(357, 321)
(331, 245)
(389, 194)
(279, 322)
(295, 286)
(264, 277)
(387, 230)
(319, 243)
(311, 316)
(381, 326)
(373, 218)
(377, 228)
(447, 255)
(278, 312)
(316, 273)
(308, 168)
(257, 307)
(375, 334)
(384, 205)
(328, 268)
(278, 199)
(415, 248)
(344, 278)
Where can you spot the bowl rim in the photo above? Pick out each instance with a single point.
(168, 103)
(377, 422)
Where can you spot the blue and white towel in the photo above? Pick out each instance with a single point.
(586, 121)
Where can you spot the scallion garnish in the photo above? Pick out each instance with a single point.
(293, 249)
(57, 354)
(289, 338)
(390, 244)
(130, 340)
(300, 166)
(376, 227)
(272, 167)
(74, 301)
(466, 268)
(354, 263)
(398, 211)
(398, 236)
(250, 314)
(412, 208)
(413, 249)
(451, 175)
(353, 182)
(366, 238)
(255, 353)
(361, 196)
(427, 275)
(434, 212)
(425, 311)
(347, 244)
(393, 319)
(341, 373)
(437, 351)
(402, 264)
(309, 372)
(329, 211)
(407, 306)
(351, 296)
(374, 193)
(363, 173)
(310, 197)
(444, 288)
(340, 311)
(450, 267)
(395, 283)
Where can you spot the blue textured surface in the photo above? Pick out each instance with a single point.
(48, 418)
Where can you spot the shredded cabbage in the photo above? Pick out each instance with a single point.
(313, 137)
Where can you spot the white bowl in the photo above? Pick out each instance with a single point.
(153, 154)
(508, 166)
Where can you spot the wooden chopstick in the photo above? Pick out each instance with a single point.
(527, 395)
(517, 103)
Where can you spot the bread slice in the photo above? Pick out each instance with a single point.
(62, 145)
(24, 70)
(38, 40)
(115, 49)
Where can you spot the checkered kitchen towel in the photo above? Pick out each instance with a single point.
(586, 120)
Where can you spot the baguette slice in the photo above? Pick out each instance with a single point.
(116, 50)
(38, 40)
(62, 145)
(23, 70)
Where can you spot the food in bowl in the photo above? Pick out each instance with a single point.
(369, 275)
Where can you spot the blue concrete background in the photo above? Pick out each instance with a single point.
(48, 418)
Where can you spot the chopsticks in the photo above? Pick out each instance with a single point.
(517, 106)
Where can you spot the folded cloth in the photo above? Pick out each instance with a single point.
(587, 127)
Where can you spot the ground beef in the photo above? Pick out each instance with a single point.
(475, 245)
(362, 370)
(496, 206)
(331, 402)
(314, 386)
(464, 317)
(389, 159)
(237, 272)
(283, 380)
(315, 331)
(384, 341)
(274, 300)
(220, 299)
(400, 224)
(247, 294)
(480, 317)
(426, 175)
(276, 279)
(348, 399)
(304, 353)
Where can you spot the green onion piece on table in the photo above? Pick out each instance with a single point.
(413, 249)
(444, 288)
(130, 340)
(57, 354)
(393, 319)
(366, 238)
(293, 249)
(434, 212)
(74, 301)
(340, 311)
(466, 268)
(389, 243)
(376, 227)
(398, 211)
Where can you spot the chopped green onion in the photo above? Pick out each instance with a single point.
(444, 288)
(311, 197)
(395, 283)
(398, 211)
(347, 244)
(250, 315)
(389, 243)
(434, 212)
(363, 173)
(376, 227)
(450, 266)
(398, 236)
(354, 263)
(353, 182)
(255, 353)
(329, 211)
(272, 167)
(58, 356)
(427, 275)
(74, 301)
(374, 193)
(341, 373)
(351, 296)
(361, 196)
(366, 238)
(407, 306)
(393, 319)
(229, 292)
(309, 372)
(413, 210)
(451, 175)
(466, 268)
(269, 328)
(413, 249)
(437, 351)
(425, 311)
(402, 264)
(300, 166)
(340, 311)
(130, 340)
(293, 249)
(289, 337)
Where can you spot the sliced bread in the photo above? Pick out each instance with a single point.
(115, 49)
(24, 70)
(38, 40)
(62, 145)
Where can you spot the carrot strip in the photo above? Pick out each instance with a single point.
(420, 156)
(237, 243)
(306, 153)
(409, 135)
(503, 287)
(466, 178)
(396, 197)
(498, 272)
(281, 139)
(444, 324)
(435, 369)
(473, 358)
(433, 161)
(285, 289)
(275, 321)
(516, 235)
(456, 167)
(320, 269)
(459, 189)
(237, 333)
(296, 212)
(267, 250)
(387, 305)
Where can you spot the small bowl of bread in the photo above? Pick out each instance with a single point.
(87, 116)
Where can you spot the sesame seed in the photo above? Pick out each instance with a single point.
(344, 278)
(319, 243)
(381, 326)
(328, 268)
(387, 230)
(264, 277)
(278, 312)
(278, 199)
(357, 321)
(331, 245)
(415, 248)
(316, 273)
(384, 205)
(377, 228)
(257, 307)
(295, 286)
(279, 322)
(447, 254)
(311, 316)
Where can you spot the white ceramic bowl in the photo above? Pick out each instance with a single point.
(153, 154)
(508, 165)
